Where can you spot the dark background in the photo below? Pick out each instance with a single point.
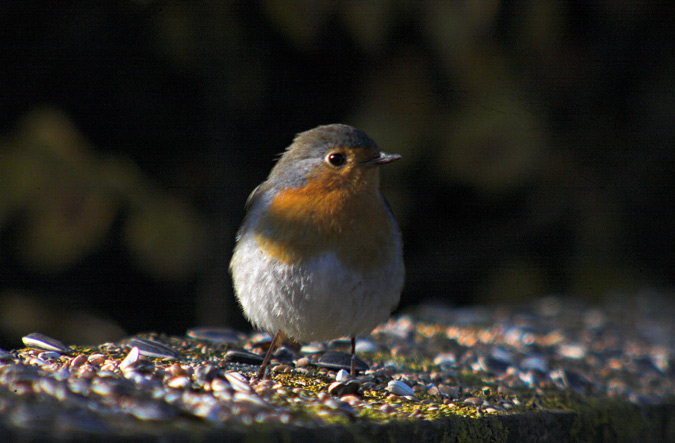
(537, 140)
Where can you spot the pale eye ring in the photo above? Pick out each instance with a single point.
(336, 159)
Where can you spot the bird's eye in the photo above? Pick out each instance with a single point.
(336, 159)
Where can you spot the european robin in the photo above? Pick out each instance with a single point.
(319, 255)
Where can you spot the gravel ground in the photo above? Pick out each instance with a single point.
(435, 370)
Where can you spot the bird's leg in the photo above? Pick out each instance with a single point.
(353, 368)
(276, 340)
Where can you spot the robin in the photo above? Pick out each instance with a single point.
(319, 255)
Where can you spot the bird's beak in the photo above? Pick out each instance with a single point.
(382, 159)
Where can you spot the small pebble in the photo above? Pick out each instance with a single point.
(238, 382)
(445, 359)
(131, 359)
(96, 359)
(340, 388)
(218, 384)
(35, 361)
(364, 346)
(78, 361)
(179, 382)
(475, 401)
(241, 356)
(41, 341)
(282, 369)
(109, 365)
(448, 391)
(176, 369)
(340, 360)
(534, 363)
(49, 356)
(387, 408)
(86, 371)
(217, 335)
(284, 354)
(341, 375)
(250, 398)
(572, 351)
(152, 349)
(260, 338)
(340, 405)
(491, 364)
(399, 388)
(313, 348)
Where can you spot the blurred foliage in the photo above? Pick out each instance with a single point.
(537, 139)
(68, 199)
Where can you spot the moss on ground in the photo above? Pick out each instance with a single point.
(547, 413)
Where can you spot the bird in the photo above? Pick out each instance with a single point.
(319, 255)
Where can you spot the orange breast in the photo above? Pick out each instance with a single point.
(344, 215)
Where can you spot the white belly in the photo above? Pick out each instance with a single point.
(318, 299)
